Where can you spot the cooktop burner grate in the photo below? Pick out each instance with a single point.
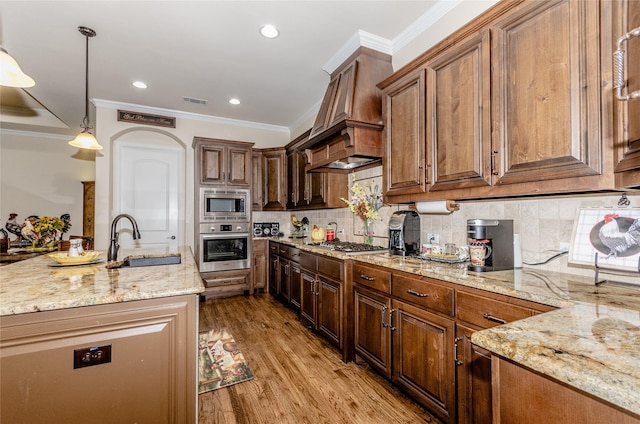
(351, 247)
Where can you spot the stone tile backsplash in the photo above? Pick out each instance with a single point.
(543, 222)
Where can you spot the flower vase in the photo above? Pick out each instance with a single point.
(368, 231)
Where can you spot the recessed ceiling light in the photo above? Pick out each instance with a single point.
(234, 101)
(139, 84)
(269, 31)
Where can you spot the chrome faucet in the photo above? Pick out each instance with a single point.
(112, 254)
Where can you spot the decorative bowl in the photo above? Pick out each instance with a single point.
(86, 257)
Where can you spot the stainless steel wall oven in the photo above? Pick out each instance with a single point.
(224, 247)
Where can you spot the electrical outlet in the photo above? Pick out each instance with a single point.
(564, 247)
(433, 238)
(341, 231)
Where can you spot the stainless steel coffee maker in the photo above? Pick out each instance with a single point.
(404, 233)
(490, 244)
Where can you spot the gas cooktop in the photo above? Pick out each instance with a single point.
(351, 248)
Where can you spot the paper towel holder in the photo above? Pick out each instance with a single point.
(437, 207)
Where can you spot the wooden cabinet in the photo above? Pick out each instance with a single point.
(626, 122)
(257, 182)
(269, 169)
(459, 153)
(226, 283)
(516, 103)
(408, 343)
(260, 266)
(274, 273)
(521, 396)
(477, 310)
(404, 111)
(311, 190)
(223, 162)
(423, 357)
(153, 361)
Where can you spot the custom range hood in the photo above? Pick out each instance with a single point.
(347, 133)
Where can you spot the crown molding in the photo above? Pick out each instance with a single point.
(108, 104)
(35, 134)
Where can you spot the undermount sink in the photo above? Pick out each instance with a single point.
(148, 260)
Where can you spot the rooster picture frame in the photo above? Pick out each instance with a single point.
(614, 234)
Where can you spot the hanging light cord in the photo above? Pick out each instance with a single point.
(87, 32)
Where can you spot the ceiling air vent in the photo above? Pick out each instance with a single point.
(194, 100)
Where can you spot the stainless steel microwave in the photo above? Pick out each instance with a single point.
(224, 204)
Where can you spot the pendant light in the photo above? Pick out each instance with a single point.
(86, 140)
(10, 73)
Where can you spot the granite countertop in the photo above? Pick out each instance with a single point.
(34, 285)
(592, 342)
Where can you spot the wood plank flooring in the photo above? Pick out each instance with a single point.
(299, 377)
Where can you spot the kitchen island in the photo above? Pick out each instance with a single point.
(591, 343)
(87, 343)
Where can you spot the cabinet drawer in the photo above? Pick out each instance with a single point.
(294, 254)
(487, 313)
(424, 293)
(307, 261)
(330, 267)
(274, 247)
(372, 277)
(283, 251)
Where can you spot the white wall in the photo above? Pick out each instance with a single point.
(42, 175)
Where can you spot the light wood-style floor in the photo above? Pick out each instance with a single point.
(299, 377)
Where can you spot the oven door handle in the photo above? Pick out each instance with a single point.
(218, 236)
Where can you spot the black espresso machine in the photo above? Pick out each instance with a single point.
(404, 233)
(496, 237)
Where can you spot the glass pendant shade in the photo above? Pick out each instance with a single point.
(85, 140)
(10, 73)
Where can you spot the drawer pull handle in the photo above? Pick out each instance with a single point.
(416, 293)
(490, 317)
(366, 278)
(384, 313)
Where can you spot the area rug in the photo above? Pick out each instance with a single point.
(220, 362)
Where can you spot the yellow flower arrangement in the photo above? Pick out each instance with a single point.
(363, 205)
(47, 223)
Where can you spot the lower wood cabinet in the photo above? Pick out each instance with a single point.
(259, 264)
(226, 283)
(473, 379)
(274, 274)
(523, 397)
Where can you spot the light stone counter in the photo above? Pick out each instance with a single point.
(591, 343)
(33, 285)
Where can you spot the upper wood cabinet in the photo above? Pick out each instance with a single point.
(257, 190)
(269, 170)
(626, 113)
(546, 90)
(404, 112)
(459, 115)
(517, 102)
(223, 162)
(311, 190)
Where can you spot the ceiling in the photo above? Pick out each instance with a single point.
(209, 50)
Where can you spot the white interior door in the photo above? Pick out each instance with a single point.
(149, 186)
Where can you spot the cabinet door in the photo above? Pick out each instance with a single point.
(423, 362)
(473, 376)
(239, 173)
(284, 292)
(404, 161)
(274, 275)
(308, 299)
(546, 92)
(260, 267)
(295, 281)
(316, 188)
(627, 124)
(212, 164)
(295, 178)
(257, 187)
(459, 115)
(329, 310)
(274, 180)
(372, 340)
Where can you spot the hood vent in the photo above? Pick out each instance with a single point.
(347, 133)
